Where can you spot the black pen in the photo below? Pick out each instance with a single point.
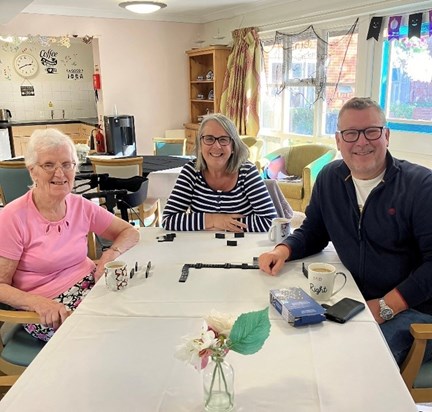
(148, 269)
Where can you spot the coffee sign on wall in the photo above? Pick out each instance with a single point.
(49, 60)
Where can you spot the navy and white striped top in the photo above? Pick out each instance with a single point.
(191, 198)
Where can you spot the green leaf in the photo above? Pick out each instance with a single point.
(249, 332)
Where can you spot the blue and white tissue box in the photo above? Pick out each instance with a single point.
(296, 306)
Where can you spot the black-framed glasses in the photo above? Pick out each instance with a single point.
(370, 133)
(51, 167)
(210, 140)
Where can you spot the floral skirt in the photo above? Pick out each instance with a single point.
(71, 299)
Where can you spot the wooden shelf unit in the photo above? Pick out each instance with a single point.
(201, 61)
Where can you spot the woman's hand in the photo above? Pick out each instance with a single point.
(51, 313)
(272, 262)
(225, 221)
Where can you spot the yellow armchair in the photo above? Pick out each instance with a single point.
(305, 161)
(255, 146)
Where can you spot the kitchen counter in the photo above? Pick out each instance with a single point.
(91, 121)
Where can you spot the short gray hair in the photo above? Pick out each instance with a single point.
(45, 139)
(362, 103)
(240, 150)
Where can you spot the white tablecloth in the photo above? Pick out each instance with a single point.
(101, 363)
(226, 290)
(116, 352)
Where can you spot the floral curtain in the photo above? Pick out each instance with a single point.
(240, 92)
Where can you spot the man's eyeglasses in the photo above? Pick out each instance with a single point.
(370, 133)
(210, 140)
(51, 167)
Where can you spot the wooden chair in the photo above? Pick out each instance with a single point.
(418, 376)
(17, 347)
(124, 167)
(169, 146)
(14, 179)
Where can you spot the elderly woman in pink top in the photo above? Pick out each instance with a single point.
(43, 237)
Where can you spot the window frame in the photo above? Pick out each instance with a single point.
(402, 125)
(319, 107)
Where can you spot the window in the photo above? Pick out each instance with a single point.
(305, 80)
(406, 85)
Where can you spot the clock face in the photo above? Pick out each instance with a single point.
(26, 65)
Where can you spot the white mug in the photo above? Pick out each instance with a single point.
(280, 229)
(322, 278)
(116, 275)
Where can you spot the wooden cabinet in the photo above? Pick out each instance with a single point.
(21, 136)
(86, 132)
(73, 130)
(207, 68)
(79, 133)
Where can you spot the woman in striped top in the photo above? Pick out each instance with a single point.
(220, 190)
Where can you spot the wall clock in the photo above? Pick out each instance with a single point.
(26, 65)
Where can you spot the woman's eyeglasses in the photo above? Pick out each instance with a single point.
(210, 140)
(352, 135)
(51, 167)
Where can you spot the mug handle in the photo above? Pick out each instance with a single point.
(271, 233)
(345, 279)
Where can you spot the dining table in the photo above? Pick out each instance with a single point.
(116, 352)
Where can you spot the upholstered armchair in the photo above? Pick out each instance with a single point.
(255, 146)
(304, 161)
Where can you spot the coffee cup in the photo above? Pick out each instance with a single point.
(116, 275)
(280, 229)
(322, 278)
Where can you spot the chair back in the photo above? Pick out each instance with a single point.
(125, 168)
(122, 167)
(255, 146)
(14, 179)
(297, 157)
(169, 146)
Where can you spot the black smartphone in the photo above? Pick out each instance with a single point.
(344, 310)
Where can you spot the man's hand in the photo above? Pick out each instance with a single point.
(272, 262)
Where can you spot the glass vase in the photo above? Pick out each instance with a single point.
(218, 381)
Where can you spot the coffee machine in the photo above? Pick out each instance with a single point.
(120, 135)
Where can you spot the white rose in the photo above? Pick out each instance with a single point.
(222, 323)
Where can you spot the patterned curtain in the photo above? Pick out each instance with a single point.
(240, 92)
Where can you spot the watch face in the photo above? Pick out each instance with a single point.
(26, 65)
(386, 313)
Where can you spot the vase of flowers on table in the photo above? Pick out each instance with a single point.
(219, 334)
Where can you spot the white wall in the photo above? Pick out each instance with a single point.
(143, 66)
(62, 85)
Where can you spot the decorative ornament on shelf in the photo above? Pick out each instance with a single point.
(221, 333)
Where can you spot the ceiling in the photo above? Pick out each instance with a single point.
(184, 11)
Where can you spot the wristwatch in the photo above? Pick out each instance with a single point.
(386, 312)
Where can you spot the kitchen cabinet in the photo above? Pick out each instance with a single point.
(207, 68)
(86, 133)
(73, 130)
(21, 136)
(79, 133)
